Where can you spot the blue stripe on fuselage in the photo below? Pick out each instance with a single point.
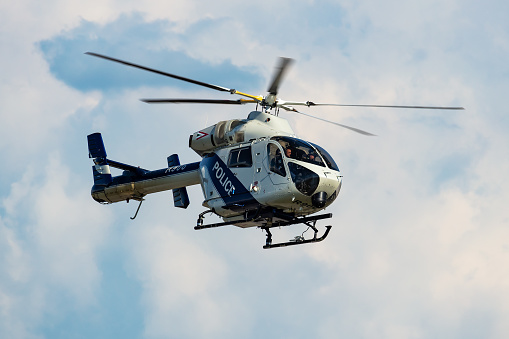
(231, 190)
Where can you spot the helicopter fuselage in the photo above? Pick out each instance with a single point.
(277, 172)
(256, 174)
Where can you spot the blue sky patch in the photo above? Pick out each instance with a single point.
(132, 39)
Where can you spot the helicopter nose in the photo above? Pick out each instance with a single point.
(319, 199)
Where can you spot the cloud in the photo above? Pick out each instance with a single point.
(184, 286)
(50, 243)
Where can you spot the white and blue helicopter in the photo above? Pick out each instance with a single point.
(254, 172)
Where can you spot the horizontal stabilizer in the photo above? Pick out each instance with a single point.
(96, 150)
(96, 147)
(126, 167)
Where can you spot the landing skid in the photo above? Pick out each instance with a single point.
(298, 240)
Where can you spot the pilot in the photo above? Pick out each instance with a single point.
(276, 164)
(288, 152)
(312, 157)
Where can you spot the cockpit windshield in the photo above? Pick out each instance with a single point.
(299, 150)
(328, 159)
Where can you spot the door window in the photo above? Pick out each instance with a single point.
(276, 164)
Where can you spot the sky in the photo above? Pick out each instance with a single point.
(420, 241)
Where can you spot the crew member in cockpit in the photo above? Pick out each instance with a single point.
(288, 152)
(312, 157)
(276, 164)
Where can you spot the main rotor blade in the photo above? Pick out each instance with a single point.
(310, 103)
(198, 101)
(196, 82)
(291, 109)
(278, 75)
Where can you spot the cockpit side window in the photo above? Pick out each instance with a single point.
(299, 150)
(240, 157)
(275, 159)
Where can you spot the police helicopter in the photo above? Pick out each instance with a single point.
(254, 172)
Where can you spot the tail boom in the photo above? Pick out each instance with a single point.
(136, 182)
(130, 186)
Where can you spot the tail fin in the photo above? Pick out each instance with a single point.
(96, 147)
(180, 197)
(97, 151)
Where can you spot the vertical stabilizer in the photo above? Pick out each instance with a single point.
(97, 151)
(180, 197)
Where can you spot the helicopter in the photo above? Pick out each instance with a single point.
(254, 172)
